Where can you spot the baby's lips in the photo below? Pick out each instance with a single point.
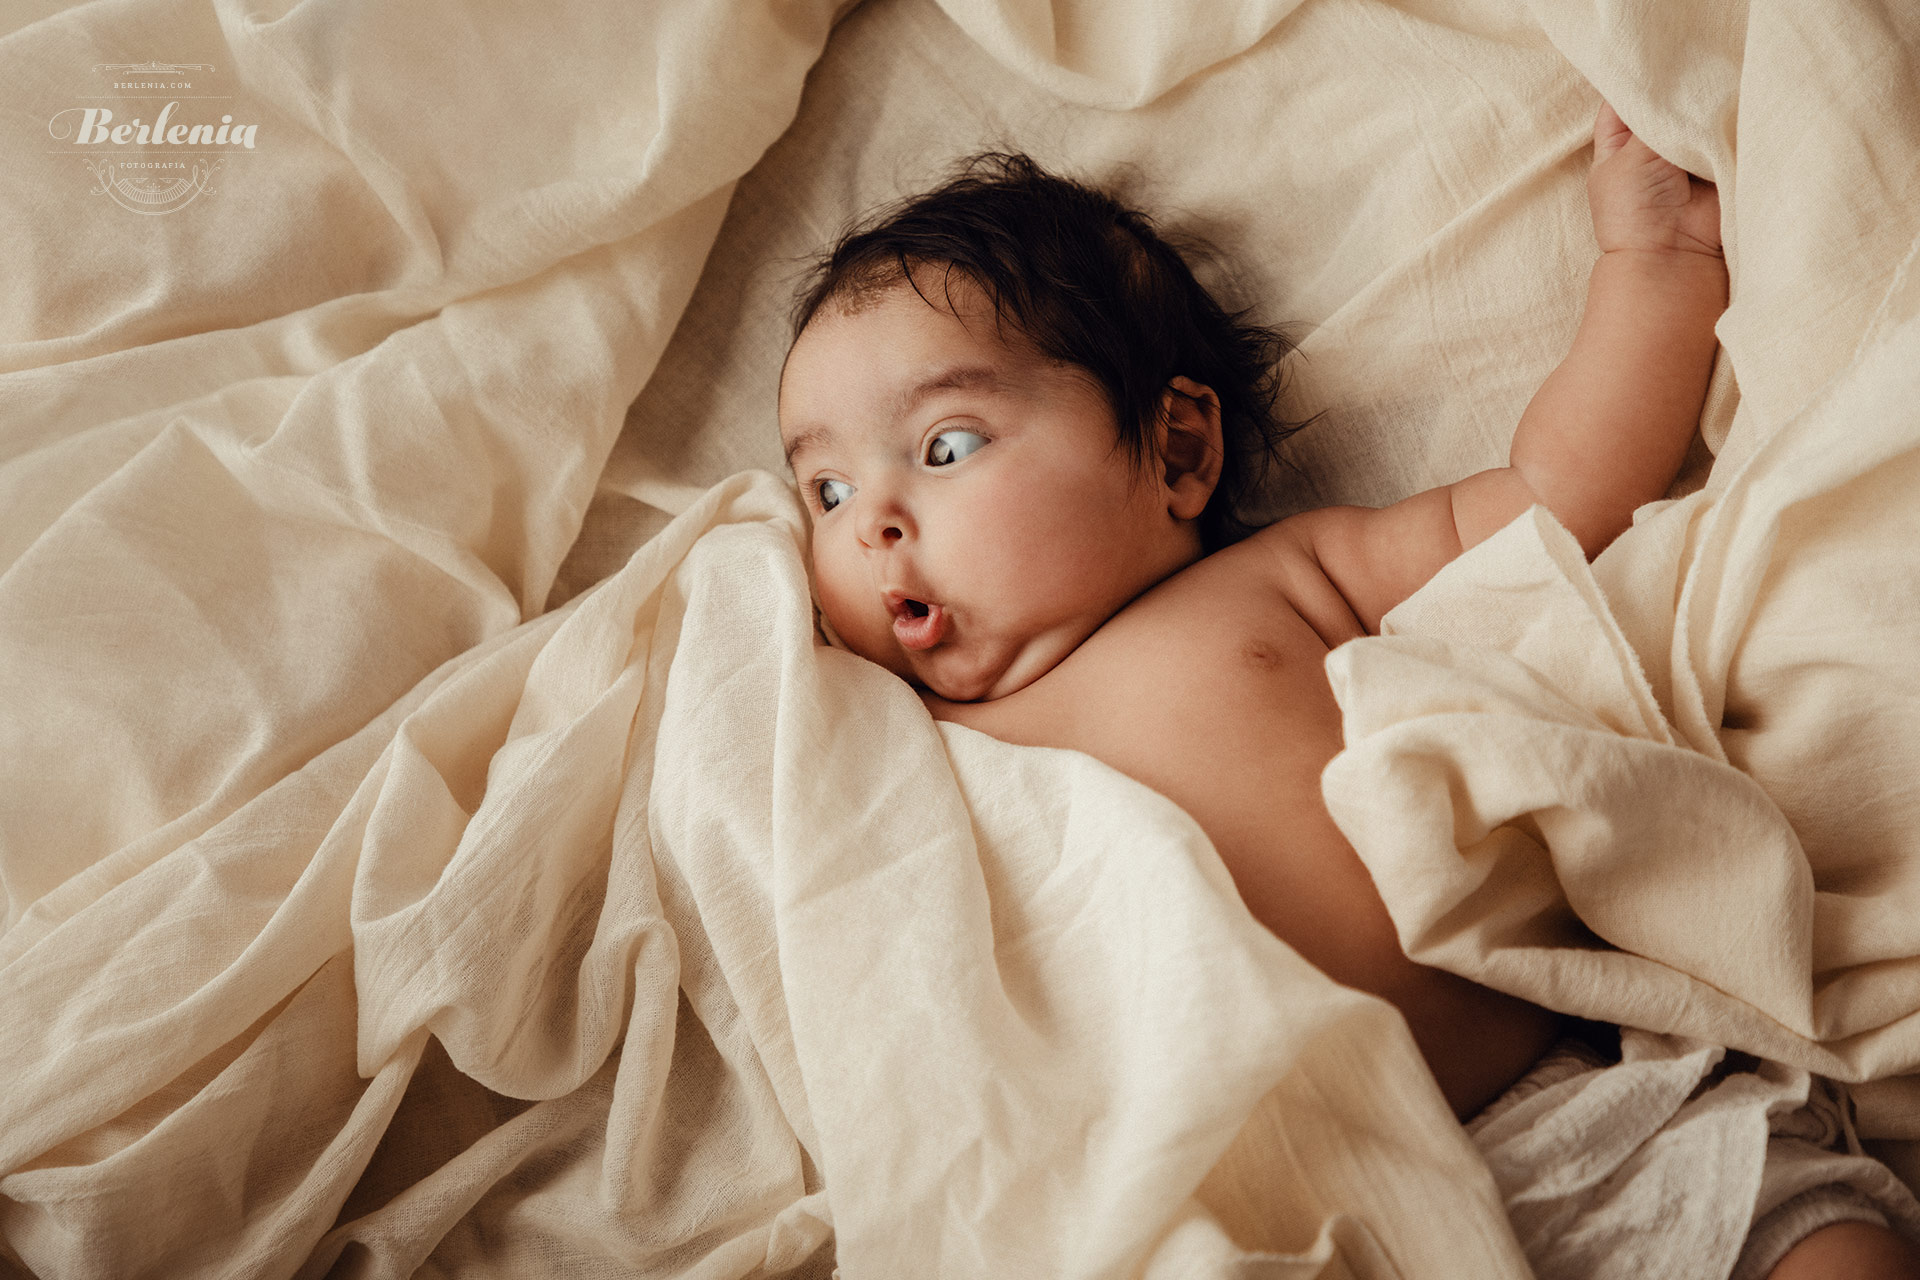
(917, 624)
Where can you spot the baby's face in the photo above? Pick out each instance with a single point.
(974, 516)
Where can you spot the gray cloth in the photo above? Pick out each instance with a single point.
(1677, 1161)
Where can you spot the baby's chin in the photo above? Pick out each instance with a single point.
(948, 689)
(951, 676)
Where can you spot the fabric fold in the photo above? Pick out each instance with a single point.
(1749, 862)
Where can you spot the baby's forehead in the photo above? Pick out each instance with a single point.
(897, 324)
(949, 310)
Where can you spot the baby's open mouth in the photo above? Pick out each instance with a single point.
(917, 624)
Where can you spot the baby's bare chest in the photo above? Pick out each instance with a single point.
(1211, 689)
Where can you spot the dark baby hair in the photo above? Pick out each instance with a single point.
(1091, 283)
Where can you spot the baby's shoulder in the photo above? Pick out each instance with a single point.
(1249, 590)
(1276, 570)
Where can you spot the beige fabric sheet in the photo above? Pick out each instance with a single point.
(1702, 750)
(365, 916)
(1719, 787)
(772, 957)
(1675, 1160)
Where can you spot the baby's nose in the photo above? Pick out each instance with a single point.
(885, 525)
(882, 536)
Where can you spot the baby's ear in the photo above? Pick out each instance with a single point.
(1191, 448)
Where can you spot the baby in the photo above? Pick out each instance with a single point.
(1022, 428)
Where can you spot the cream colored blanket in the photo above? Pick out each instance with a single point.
(1700, 751)
(1676, 789)
(772, 956)
(363, 915)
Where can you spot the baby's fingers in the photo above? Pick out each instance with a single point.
(1610, 132)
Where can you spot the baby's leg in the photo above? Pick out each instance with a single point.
(1850, 1251)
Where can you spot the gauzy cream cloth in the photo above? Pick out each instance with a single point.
(771, 954)
(1676, 789)
(283, 484)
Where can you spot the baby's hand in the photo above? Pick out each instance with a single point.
(1640, 201)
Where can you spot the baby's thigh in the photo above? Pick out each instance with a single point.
(1850, 1251)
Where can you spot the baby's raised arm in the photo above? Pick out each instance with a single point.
(1608, 429)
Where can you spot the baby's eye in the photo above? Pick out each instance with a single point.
(951, 446)
(831, 493)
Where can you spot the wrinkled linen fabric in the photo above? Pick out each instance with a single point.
(772, 956)
(353, 924)
(296, 448)
(1674, 789)
(1676, 1161)
(1696, 819)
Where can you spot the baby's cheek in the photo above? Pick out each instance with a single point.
(1020, 522)
(835, 601)
(851, 612)
(1068, 536)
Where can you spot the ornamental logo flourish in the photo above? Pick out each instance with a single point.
(158, 165)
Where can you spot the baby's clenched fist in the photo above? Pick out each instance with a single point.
(1642, 202)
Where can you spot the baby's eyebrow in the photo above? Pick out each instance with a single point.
(811, 438)
(964, 377)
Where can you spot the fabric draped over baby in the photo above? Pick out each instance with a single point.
(772, 957)
(1677, 789)
(363, 912)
